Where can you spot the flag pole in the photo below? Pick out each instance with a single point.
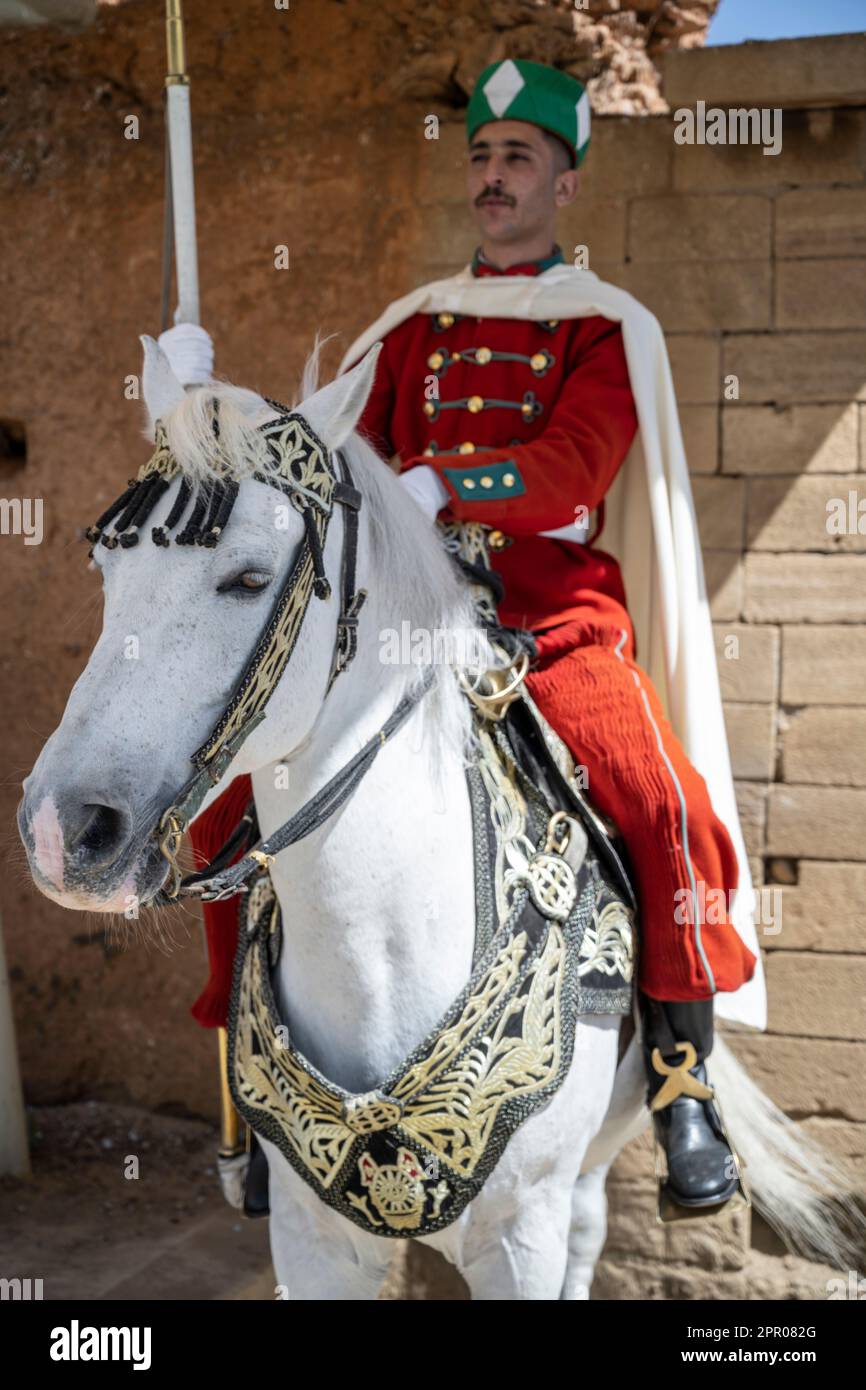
(181, 187)
(179, 124)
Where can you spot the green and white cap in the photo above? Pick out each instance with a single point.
(517, 90)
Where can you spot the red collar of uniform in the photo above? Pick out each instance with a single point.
(481, 266)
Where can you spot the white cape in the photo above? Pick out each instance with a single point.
(650, 528)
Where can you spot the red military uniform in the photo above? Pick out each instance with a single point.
(526, 423)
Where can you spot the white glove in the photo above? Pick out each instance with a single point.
(424, 485)
(189, 349)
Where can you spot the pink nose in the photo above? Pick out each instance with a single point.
(48, 842)
(77, 829)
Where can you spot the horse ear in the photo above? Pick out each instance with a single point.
(334, 411)
(159, 385)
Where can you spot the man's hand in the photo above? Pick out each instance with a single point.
(426, 488)
(189, 349)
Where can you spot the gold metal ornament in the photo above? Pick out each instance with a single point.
(170, 838)
(370, 1112)
(504, 687)
(680, 1081)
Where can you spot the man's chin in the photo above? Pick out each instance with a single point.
(497, 220)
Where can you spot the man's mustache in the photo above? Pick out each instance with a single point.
(488, 193)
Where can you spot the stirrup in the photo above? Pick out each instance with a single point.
(679, 1081)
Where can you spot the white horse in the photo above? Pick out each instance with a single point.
(378, 904)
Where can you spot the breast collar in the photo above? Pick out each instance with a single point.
(553, 941)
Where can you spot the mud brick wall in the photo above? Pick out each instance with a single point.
(756, 267)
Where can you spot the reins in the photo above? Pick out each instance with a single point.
(213, 887)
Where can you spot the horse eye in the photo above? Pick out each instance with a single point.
(249, 582)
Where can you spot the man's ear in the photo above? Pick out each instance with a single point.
(334, 411)
(566, 186)
(159, 385)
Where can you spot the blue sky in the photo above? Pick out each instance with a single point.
(738, 20)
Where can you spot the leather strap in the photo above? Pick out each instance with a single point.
(351, 600)
(314, 813)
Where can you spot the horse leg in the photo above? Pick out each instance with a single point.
(526, 1259)
(317, 1253)
(515, 1244)
(587, 1234)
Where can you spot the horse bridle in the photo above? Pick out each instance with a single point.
(302, 469)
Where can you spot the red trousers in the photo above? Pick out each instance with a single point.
(636, 773)
(606, 710)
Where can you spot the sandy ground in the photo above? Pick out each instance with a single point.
(124, 1203)
(88, 1231)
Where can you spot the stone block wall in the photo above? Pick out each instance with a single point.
(756, 266)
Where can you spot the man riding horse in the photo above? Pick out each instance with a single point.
(495, 409)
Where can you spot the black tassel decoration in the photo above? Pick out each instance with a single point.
(190, 531)
(179, 506)
(94, 532)
(148, 495)
(217, 496)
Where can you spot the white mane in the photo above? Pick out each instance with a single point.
(417, 583)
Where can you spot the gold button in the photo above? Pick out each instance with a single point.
(497, 541)
(455, 357)
(435, 360)
(467, 447)
(487, 481)
(483, 356)
(429, 408)
(446, 320)
(474, 404)
(428, 453)
(554, 323)
(469, 482)
(508, 479)
(538, 361)
(526, 410)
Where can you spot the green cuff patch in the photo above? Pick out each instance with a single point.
(488, 481)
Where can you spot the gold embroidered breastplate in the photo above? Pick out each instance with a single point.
(554, 940)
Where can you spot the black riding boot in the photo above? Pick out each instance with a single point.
(702, 1171)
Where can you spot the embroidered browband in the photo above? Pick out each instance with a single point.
(297, 465)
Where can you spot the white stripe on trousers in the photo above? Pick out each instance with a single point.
(668, 764)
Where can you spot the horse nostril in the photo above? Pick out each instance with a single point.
(101, 829)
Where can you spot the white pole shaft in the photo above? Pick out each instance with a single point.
(183, 202)
(14, 1158)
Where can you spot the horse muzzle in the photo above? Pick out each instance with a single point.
(86, 854)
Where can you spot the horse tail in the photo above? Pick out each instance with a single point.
(799, 1190)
